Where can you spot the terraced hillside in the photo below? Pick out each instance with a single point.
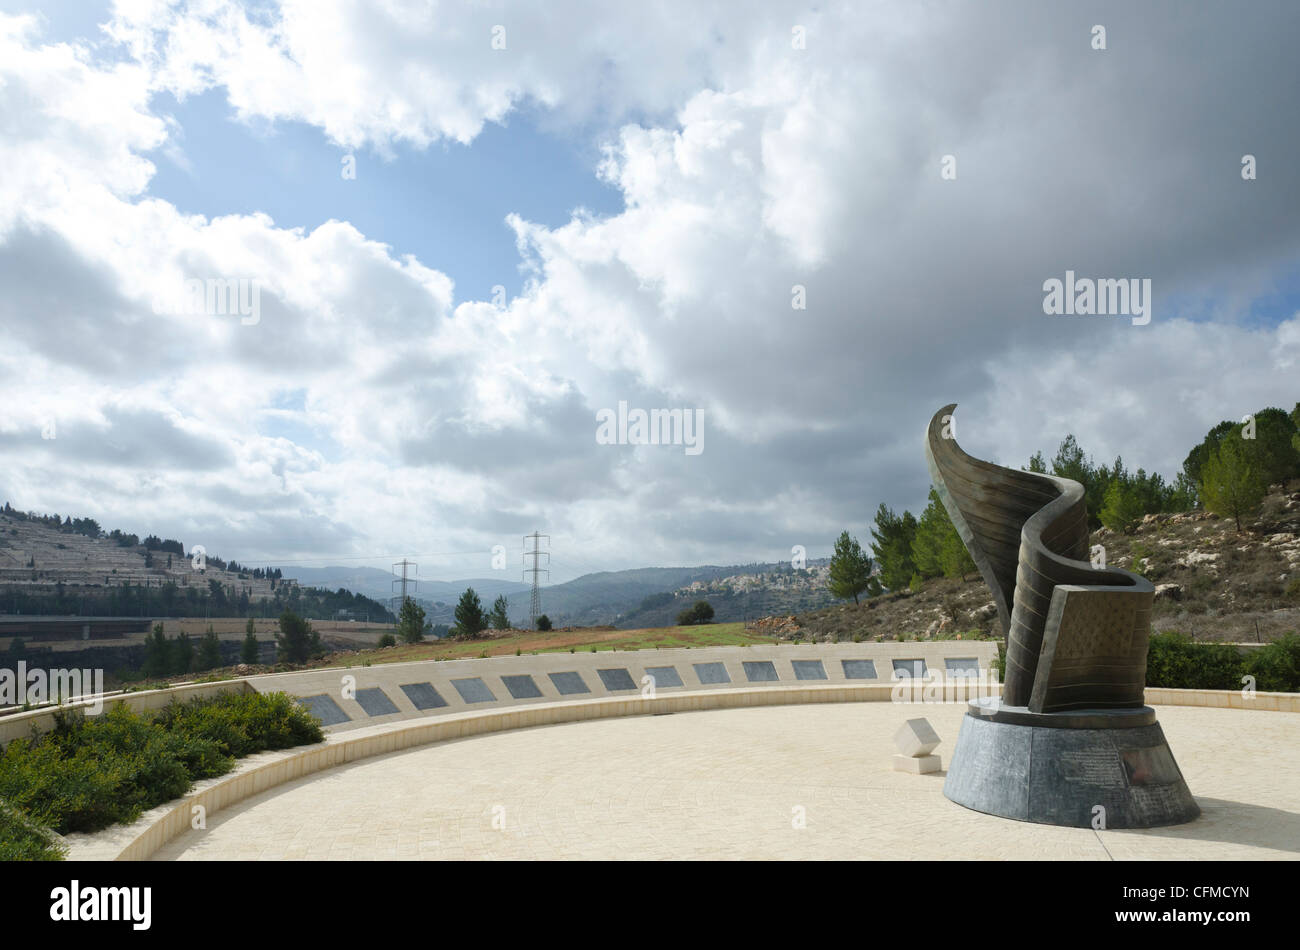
(36, 556)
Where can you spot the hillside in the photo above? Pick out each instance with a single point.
(653, 596)
(1211, 583)
(48, 569)
(377, 583)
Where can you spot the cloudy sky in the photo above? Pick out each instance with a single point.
(472, 227)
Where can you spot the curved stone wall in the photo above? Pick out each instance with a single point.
(367, 695)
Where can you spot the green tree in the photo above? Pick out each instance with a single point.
(892, 545)
(410, 622)
(470, 619)
(1123, 508)
(498, 617)
(182, 654)
(169, 594)
(1231, 483)
(1274, 453)
(543, 622)
(954, 559)
(850, 573)
(249, 650)
(296, 641)
(1198, 456)
(209, 650)
(157, 654)
(1071, 462)
(937, 548)
(701, 612)
(1036, 464)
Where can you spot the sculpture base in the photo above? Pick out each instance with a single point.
(1083, 769)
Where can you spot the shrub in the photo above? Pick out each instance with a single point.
(86, 774)
(1176, 661)
(543, 622)
(1276, 667)
(21, 839)
(387, 640)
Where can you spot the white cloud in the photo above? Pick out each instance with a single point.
(422, 422)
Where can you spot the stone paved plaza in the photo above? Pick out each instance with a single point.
(732, 784)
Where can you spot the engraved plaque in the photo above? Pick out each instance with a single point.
(615, 680)
(375, 702)
(568, 683)
(423, 696)
(522, 686)
(664, 676)
(325, 709)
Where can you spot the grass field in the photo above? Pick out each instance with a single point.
(559, 641)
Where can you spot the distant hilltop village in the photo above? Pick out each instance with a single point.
(812, 578)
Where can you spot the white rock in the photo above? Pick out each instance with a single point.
(916, 737)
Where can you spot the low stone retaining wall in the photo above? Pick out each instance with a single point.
(1223, 698)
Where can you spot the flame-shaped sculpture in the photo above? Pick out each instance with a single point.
(1070, 742)
(1076, 632)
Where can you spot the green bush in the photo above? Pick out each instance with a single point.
(1176, 661)
(21, 839)
(86, 774)
(243, 723)
(387, 640)
(1276, 667)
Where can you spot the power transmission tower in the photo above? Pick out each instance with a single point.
(535, 608)
(404, 580)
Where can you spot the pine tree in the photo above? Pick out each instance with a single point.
(1231, 482)
(937, 548)
(249, 650)
(410, 622)
(182, 654)
(209, 650)
(892, 546)
(498, 617)
(297, 641)
(850, 572)
(1123, 508)
(470, 621)
(157, 659)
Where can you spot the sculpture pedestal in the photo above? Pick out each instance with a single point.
(1057, 768)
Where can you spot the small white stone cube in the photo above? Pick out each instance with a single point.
(916, 738)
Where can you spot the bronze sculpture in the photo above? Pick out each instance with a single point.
(1071, 741)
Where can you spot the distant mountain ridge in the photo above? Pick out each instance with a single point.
(606, 597)
(67, 566)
